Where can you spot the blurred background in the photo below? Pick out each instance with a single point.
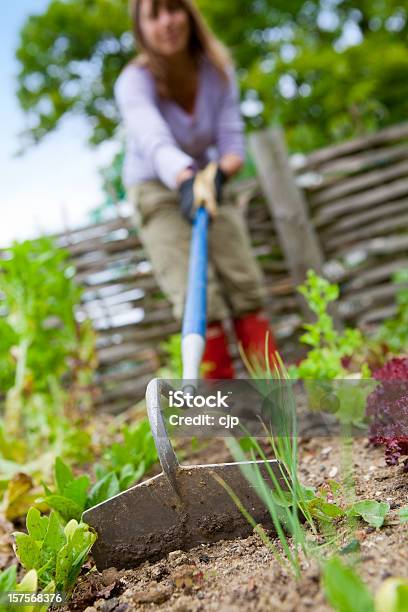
(326, 70)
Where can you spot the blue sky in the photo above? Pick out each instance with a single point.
(56, 182)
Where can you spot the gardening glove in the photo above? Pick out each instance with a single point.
(203, 189)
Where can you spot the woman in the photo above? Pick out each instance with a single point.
(180, 108)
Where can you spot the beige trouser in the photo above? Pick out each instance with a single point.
(235, 282)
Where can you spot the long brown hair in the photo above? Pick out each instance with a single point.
(202, 43)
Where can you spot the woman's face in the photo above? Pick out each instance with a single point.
(165, 26)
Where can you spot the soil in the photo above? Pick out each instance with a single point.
(242, 575)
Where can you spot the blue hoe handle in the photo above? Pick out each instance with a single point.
(195, 311)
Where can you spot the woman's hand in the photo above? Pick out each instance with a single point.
(231, 164)
(184, 175)
(201, 189)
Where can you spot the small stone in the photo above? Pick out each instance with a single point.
(157, 594)
(110, 605)
(307, 602)
(158, 573)
(361, 535)
(177, 557)
(204, 558)
(183, 604)
(333, 472)
(109, 576)
(186, 576)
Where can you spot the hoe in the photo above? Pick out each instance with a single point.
(185, 505)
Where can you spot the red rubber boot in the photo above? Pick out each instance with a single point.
(251, 331)
(217, 362)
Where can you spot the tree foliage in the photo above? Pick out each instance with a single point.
(325, 69)
(70, 57)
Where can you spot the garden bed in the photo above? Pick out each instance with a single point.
(243, 574)
(346, 530)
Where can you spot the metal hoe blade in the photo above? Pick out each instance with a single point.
(182, 507)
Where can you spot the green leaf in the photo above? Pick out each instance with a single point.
(70, 528)
(28, 583)
(403, 514)
(77, 490)
(335, 486)
(351, 547)
(322, 510)
(27, 550)
(67, 508)
(392, 596)
(103, 490)
(36, 524)
(8, 579)
(344, 589)
(55, 536)
(72, 556)
(49, 588)
(371, 511)
(63, 566)
(63, 475)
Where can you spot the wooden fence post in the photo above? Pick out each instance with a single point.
(287, 207)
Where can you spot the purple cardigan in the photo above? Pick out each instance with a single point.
(162, 139)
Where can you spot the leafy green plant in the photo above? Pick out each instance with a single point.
(55, 551)
(29, 584)
(131, 457)
(394, 332)
(371, 511)
(328, 346)
(47, 359)
(39, 298)
(328, 382)
(124, 464)
(71, 494)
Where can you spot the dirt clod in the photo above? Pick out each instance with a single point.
(155, 595)
(177, 557)
(186, 576)
(109, 576)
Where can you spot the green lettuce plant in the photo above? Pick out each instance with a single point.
(27, 586)
(47, 359)
(56, 551)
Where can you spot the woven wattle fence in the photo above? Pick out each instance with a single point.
(342, 210)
